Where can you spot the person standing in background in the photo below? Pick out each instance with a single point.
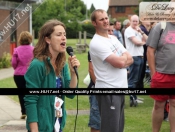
(111, 29)
(94, 117)
(145, 27)
(126, 23)
(135, 38)
(21, 59)
(117, 33)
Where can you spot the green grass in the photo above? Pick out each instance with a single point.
(137, 119)
(7, 83)
(83, 103)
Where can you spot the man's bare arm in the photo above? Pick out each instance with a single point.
(117, 61)
(151, 59)
(145, 37)
(136, 41)
(129, 60)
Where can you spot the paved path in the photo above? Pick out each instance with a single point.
(10, 115)
(5, 73)
(10, 110)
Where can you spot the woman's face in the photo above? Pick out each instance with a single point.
(57, 40)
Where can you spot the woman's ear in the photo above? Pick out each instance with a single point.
(47, 40)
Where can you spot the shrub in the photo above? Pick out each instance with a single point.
(88, 27)
(0, 64)
(72, 29)
(5, 61)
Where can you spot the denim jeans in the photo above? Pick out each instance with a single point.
(135, 71)
(94, 117)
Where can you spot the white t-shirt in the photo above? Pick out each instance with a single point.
(107, 76)
(133, 49)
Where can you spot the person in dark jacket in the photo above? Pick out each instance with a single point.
(145, 27)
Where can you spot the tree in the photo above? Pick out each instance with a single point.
(69, 13)
(92, 8)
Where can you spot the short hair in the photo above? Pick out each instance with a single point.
(93, 15)
(135, 16)
(25, 38)
(125, 22)
(111, 23)
(116, 22)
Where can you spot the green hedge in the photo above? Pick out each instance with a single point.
(88, 28)
(72, 29)
(5, 61)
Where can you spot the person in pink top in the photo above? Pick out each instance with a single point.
(21, 59)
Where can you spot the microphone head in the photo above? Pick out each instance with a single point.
(69, 50)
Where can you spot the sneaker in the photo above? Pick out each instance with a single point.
(23, 117)
(139, 101)
(166, 119)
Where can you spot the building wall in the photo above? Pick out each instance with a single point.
(128, 12)
(6, 45)
(23, 25)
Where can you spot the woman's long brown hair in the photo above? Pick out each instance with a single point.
(41, 50)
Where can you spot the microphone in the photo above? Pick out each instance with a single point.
(70, 52)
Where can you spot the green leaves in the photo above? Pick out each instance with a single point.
(66, 11)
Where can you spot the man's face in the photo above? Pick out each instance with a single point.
(110, 30)
(134, 21)
(118, 26)
(101, 22)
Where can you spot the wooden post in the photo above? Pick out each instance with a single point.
(84, 37)
(79, 37)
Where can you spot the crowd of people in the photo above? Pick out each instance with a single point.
(117, 58)
(109, 57)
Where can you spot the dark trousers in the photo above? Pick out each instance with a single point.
(140, 84)
(135, 73)
(111, 109)
(20, 83)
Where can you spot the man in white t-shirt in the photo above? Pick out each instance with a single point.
(109, 59)
(135, 38)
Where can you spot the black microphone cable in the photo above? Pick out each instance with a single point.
(70, 52)
(77, 105)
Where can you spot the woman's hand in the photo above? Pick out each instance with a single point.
(73, 61)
